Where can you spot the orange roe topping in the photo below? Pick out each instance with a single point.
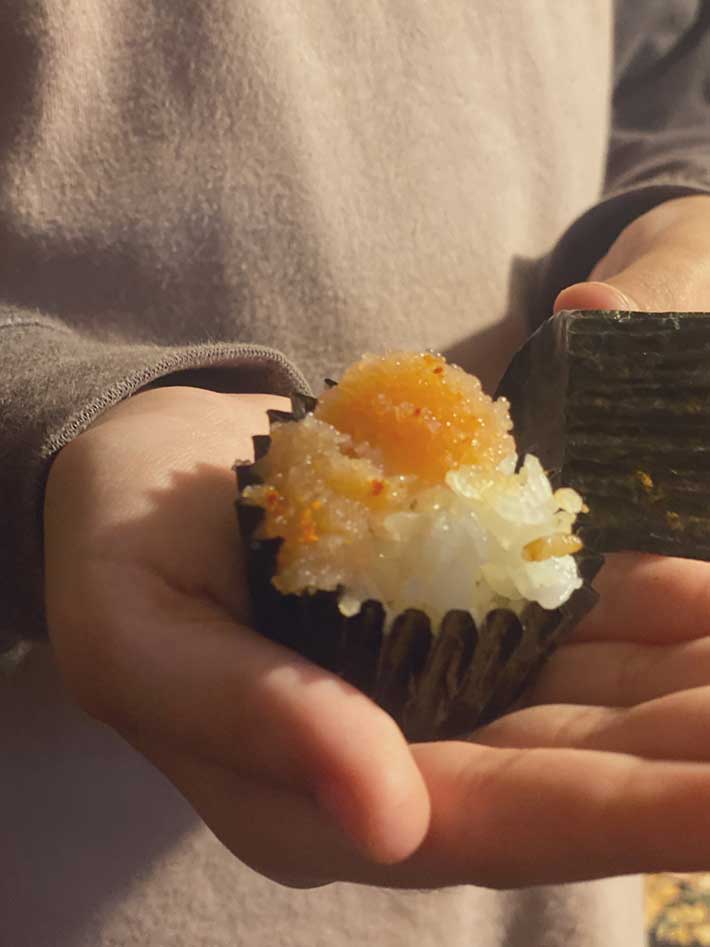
(422, 416)
(393, 425)
(316, 487)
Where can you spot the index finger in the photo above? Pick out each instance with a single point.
(170, 668)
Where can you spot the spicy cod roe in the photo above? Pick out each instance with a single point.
(409, 416)
(425, 417)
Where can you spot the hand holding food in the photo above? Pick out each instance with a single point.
(300, 774)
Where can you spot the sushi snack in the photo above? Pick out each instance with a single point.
(396, 538)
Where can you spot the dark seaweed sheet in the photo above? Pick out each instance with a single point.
(617, 405)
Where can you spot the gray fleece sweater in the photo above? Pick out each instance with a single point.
(246, 196)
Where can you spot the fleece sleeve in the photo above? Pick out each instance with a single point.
(54, 380)
(659, 141)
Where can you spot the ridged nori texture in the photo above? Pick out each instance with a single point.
(617, 405)
(436, 686)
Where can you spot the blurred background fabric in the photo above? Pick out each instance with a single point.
(678, 910)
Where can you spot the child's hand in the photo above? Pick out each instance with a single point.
(147, 611)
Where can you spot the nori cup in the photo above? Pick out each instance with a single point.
(436, 683)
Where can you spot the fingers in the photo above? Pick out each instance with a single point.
(674, 727)
(649, 599)
(516, 817)
(176, 670)
(621, 674)
(500, 818)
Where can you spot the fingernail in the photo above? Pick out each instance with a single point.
(616, 298)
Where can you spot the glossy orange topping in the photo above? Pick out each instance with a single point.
(393, 425)
(422, 416)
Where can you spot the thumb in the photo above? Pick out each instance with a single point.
(666, 271)
(595, 295)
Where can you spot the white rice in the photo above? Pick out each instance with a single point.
(457, 545)
(463, 547)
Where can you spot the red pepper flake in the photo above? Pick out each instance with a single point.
(272, 498)
(377, 487)
(308, 530)
(417, 412)
(439, 370)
